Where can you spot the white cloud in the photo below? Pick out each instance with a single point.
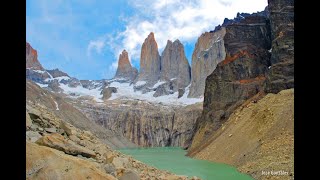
(96, 45)
(185, 20)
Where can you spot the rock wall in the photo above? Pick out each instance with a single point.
(146, 124)
(209, 51)
(174, 65)
(238, 77)
(149, 61)
(281, 73)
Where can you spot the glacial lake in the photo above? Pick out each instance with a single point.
(174, 160)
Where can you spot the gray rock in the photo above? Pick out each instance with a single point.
(174, 64)
(120, 162)
(51, 130)
(164, 89)
(208, 52)
(32, 136)
(180, 93)
(109, 168)
(107, 92)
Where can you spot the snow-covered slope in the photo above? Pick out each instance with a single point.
(75, 88)
(126, 91)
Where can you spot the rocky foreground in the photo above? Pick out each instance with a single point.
(57, 150)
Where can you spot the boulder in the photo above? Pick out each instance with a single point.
(180, 93)
(120, 162)
(50, 164)
(130, 175)
(28, 121)
(32, 136)
(68, 128)
(56, 141)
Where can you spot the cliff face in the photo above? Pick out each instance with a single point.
(146, 124)
(238, 118)
(238, 77)
(281, 73)
(174, 64)
(208, 52)
(149, 61)
(32, 58)
(125, 70)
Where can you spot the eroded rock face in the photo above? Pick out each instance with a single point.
(208, 52)
(32, 58)
(239, 76)
(281, 73)
(125, 70)
(149, 61)
(146, 124)
(174, 64)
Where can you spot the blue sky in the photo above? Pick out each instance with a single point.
(84, 37)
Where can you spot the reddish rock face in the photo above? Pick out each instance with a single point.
(239, 77)
(125, 70)
(149, 60)
(32, 58)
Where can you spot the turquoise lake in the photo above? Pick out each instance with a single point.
(174, 160)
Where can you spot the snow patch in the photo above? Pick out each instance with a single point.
(42, 85)
(57, 78)
(141, 83)
(81, 91)
(57, 106)
(158, 84)
(39, 71)
(270, 50)
(173, 79)
(126, 91)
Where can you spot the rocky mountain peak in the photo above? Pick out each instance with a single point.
(125, 70)
(57, 73)
(32, 58)
(174, 64)
(209, 51)
(149, 60)
(124, 59)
